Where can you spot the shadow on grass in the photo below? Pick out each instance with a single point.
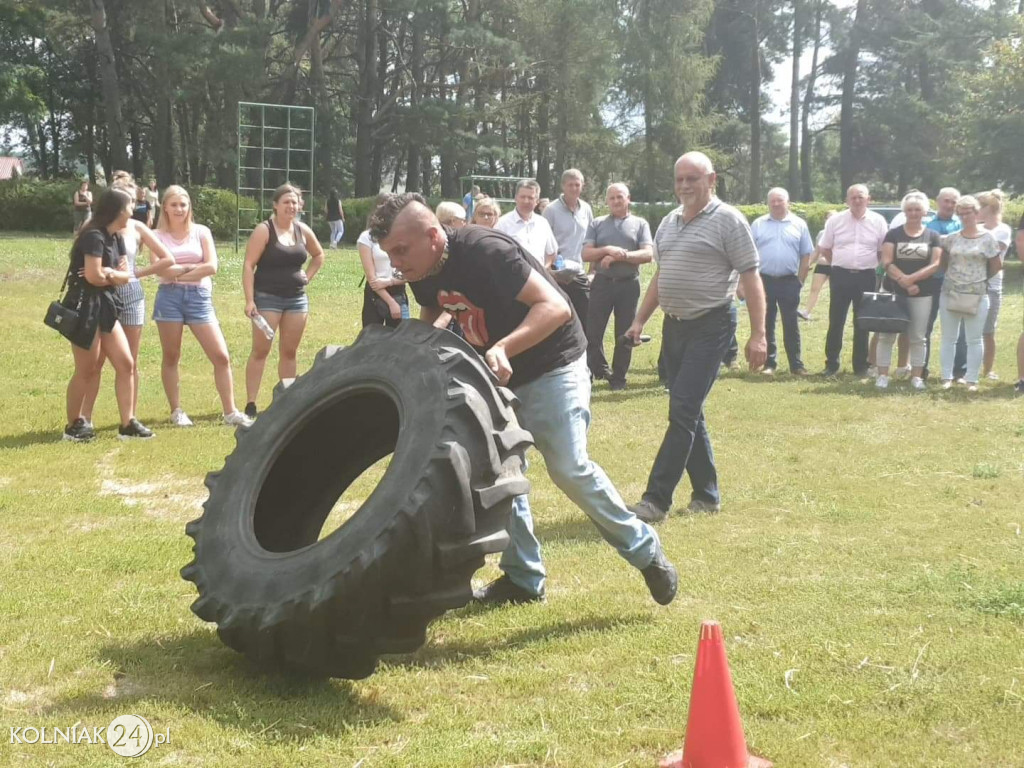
(447, 653)
(196, 672)
(104, 433)
(864, 387)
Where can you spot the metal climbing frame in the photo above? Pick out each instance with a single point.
(500, 188)
(275, 145)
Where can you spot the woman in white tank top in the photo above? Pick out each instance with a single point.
(185, 298)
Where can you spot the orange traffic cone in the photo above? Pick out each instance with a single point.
(714, 733)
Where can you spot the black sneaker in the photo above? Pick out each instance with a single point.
(648, 511)
(1019, 387)
(616, 386)
(830, 373)
(135, 430)
(504, 591)
(80, 431)
(661, 577)
(250, 410)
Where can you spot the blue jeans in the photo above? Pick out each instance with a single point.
(693, 350)
(556, 409)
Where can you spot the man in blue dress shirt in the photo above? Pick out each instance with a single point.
(784, 246)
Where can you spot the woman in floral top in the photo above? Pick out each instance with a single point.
(969, 258)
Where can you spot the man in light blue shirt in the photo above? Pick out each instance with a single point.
(784, 246)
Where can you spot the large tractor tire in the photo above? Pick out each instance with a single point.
(329, 607)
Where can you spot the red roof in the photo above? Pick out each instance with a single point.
(11, 165)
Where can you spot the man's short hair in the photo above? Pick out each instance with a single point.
(862, 187)
(383, 217)
(698, 159)
(778, 191)
(475, 189)
(531, 183)
(572, 173)
(620, 184)
(949, 191)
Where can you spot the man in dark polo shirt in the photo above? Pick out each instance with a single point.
(512, 312)
(617, 244)
(703, 249)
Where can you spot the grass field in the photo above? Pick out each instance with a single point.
(867, 566)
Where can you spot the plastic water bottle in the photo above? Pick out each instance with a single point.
(261, 322)
(559, 262)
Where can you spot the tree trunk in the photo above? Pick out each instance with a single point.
(365, 101)
(413, 147)
(846, 121)
(754, 189)
(543, 140)
(138, 161)
(794, 103)
(111, 88)
(806, 144)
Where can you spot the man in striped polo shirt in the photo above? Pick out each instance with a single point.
(703, 249)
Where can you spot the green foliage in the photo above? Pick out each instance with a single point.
(37, 206)
(216, 208)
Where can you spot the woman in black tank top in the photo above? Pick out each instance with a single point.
(274, 284)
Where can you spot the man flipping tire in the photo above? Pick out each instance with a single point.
(512, 312)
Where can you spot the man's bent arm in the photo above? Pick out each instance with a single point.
(548, 312)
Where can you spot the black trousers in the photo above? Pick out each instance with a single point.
(611, 294)
(578, 291)
(846, 287)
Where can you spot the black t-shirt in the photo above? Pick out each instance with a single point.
(141, 212)
(333, 210)
(478, 285)
(913, 254)
(95, 242)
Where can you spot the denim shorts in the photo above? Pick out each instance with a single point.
(180, 303)
(269, 302)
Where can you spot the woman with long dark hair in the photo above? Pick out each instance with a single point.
(131, 298)
(96, 268)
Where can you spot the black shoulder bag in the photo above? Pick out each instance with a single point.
(61, 317)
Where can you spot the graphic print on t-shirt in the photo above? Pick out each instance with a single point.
(913, 251)
(470, 317)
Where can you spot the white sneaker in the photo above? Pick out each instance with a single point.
(237, 419)
(961, 380)
(918, 383)
(992, 375)
(882, 382)
(972, 387)
(902, 373)
(872, 371)
(947, 384)
(180, 419)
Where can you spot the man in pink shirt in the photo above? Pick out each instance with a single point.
(851, 242)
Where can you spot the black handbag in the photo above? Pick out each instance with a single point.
(883, 313)
(60, 316)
